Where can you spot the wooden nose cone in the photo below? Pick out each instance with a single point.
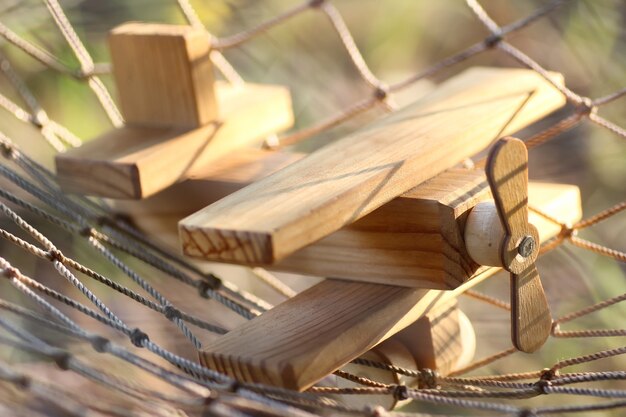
(484, 234)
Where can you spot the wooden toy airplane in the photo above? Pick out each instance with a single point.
(383, 211)
(333, 213)
(314, 333)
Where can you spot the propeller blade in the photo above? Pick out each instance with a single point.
(507, 174)
(530, 314)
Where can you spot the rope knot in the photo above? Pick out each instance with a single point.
(24, 381)
(138, 338)
(585, 106)
(567, 231)
(62, 359)
(87, 231)
(171, 312)
(401, 393)
(40, 119)
(83, 73)
(547, 374)
(55, 255)
(10, 272)
(8, 150)
(556, 326)
(203, 287)
(381, 92)
(493, 39)
(99, 343)
(210, 282)
(102, 220)
(216, 283)
(543, 385)
(234, 387)
(428, 378)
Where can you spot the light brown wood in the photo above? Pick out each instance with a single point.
(346, 180)
(531, 321)
(163, 74)
(484, 233)
(297, 343)
(414, 240)
(507, 174)
(394, 244)
(468, 343)
(442, 339)
(159, 214)
(313, 334)
(134, 162)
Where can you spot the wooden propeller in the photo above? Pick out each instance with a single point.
(512, 242)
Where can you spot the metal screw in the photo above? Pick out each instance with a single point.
(526, 246)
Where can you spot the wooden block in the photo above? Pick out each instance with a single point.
(163, 74)
(159, 214)
(417, 238)
(134, 162)
(414, 240)
(346, 180)
(442, 339)
(311, 335)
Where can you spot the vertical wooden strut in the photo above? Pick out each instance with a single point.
(438, 343)
(163, 74)
(178, 119)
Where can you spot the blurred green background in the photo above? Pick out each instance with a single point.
(584, 39)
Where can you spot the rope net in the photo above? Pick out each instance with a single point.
(77, 278)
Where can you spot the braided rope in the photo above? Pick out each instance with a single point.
(112, 239)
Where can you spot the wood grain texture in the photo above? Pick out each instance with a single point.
(507, 174)
(313, 334)
(346, 180)
(305, 338)
(414, 240)
(136, 162)
(436, 340)
(163, 74)
(309, 336)
(484, 233)
(158, 215)
(531, 320)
